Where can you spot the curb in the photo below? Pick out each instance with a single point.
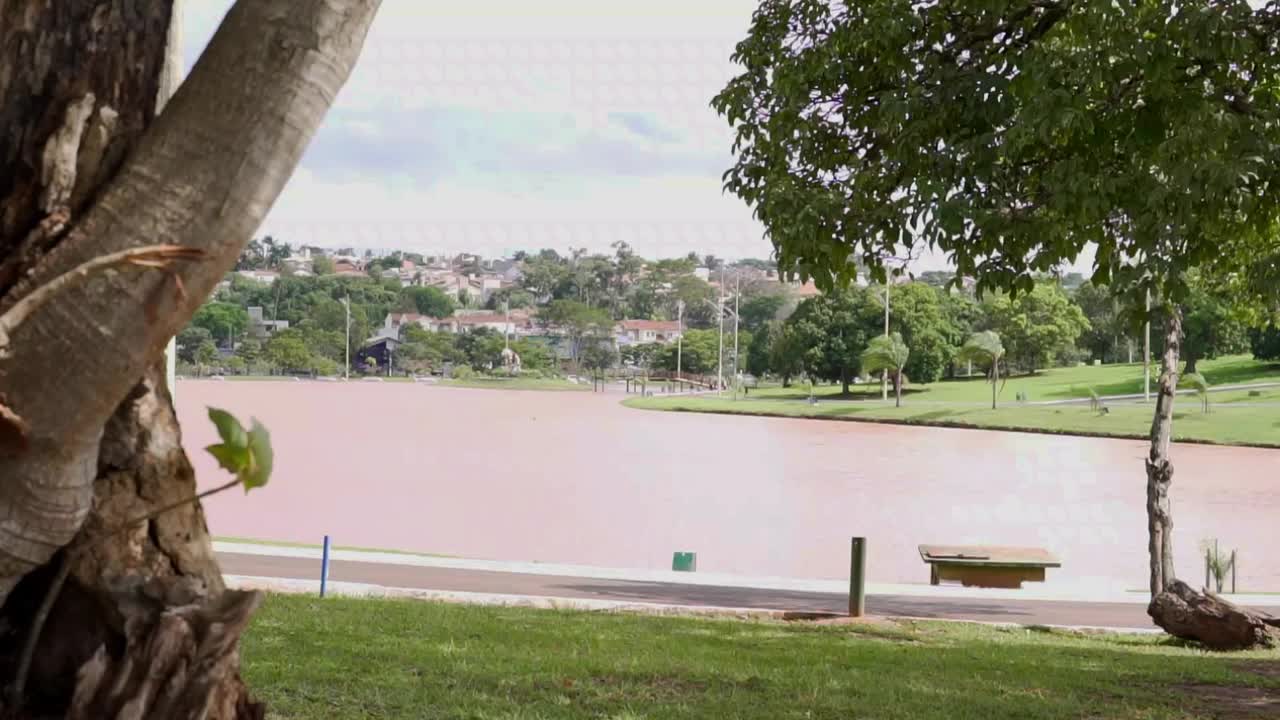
(362, 590)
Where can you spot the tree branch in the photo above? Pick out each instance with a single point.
(154, 256)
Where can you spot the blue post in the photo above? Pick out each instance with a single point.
(324, 567)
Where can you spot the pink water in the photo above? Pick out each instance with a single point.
(576, 478)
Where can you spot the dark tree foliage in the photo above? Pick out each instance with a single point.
(1008, 135)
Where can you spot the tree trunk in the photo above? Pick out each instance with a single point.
(844, 380)
(995, 381)
(1159, 465)
(897, 388)
(1174, 606)
(84, 172)
(1192, 361)
(1212, 621)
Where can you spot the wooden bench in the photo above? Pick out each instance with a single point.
(987, 566)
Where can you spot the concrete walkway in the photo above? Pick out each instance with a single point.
(592, 588)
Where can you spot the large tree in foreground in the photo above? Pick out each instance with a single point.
(89, 169)
(1011, 135)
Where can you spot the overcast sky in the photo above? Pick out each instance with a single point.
(497, 125)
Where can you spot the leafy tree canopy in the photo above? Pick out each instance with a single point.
(1009, 135)
(1035, 325)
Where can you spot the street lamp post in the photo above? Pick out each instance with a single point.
(1146, 355)
(884, 374)
(737, 285)
(720, 353)
(346, 368)
(679, 337)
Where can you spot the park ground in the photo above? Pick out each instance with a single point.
(1235, 417)
(367, 658)
(481, 381)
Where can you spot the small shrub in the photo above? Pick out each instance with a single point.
(463, 372)
(532, 374)
(1096, 404)
(1217, 562)
(1255, 393)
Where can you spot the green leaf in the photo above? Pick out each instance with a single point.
(262, 456)
(230, 458)
(229, 428)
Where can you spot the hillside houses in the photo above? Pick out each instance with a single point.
(517, 324)
(524, 324)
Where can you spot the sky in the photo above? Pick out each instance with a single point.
(491, 126)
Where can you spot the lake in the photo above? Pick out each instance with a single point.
(577, 478)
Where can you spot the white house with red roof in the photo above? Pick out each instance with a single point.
(639, 332)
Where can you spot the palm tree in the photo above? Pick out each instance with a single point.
(1201, 386)
(985, 348)
(888, 353)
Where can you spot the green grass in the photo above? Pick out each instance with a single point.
(1235, 417)
(1053, 384)
(388, 659)
(515, 383)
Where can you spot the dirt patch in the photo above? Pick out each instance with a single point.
(1265, 668)
(822, 618)
(1232, 702)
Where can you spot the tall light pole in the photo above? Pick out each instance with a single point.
(1146, 355)
(720, 354)
(737, 285)
(346, 369)
(679, 336)
(884, 374)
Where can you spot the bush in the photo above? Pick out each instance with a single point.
(1265, 343)
(532, 374)
(463, 372)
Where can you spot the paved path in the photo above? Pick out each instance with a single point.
(1028, 612)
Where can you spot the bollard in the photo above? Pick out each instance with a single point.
(324, 567)
(857, 577)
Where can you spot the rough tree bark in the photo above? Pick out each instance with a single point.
(1212, 621)
(1175, 606)
(86, 168)
(1159, 464)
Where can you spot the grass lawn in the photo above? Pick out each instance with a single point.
(350, 658)
(1053, 384)
(1235, 417)
(515, 383)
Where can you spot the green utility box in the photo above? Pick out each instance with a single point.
(684, 562)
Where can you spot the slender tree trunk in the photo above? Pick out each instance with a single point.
(1193, 360)
(897, 388)
(1175, 606)
(844, 380)
(995, 381)
(86, 169)
(1159, 464)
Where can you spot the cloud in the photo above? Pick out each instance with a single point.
(495, 125)
(643, 124)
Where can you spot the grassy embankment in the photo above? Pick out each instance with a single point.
(348, 658)
(1235, 418)
(492, 383)
(515, 383)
